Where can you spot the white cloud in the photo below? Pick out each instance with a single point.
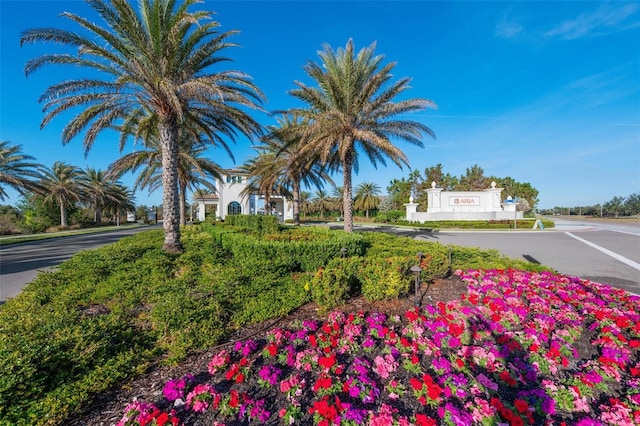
(606, 19)
(508, 28)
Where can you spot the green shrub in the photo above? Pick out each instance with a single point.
(259, 224)
(435, 257)
(464, 258)
(387, 278)
(332, 285)
(316, 249)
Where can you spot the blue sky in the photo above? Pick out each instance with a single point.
(544, 92)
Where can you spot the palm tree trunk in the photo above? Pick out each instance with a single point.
(296, 202)
(183, 205)
(63, 214)
(347, 199)
(170, 221)
(98, 215)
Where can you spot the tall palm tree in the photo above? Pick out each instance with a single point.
(151, 63)
(120, 199)
(367, 197)
(193, 169)
(16, 169)
(321, 201)
(284, 142)
(62, 187)
(352, 111)
(305, 202)
(98, 188)
(337, 193)
(264, 177)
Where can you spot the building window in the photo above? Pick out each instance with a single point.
(234, 208)
(228, 179)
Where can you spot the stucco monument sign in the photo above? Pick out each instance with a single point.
(463, 205)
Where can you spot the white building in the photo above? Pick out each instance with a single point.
(464, 205)
(230, 200)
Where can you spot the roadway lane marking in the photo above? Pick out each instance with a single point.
(616, 256)
(635, 234)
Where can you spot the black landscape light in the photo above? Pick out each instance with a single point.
(415, 269)
(343, 252)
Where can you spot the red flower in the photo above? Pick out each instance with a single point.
(423, 420)
(415, 383)
(506, 377)
(460, 363)
(312, 340)
(273, 349)
(234, 400)
(456, 329)
(327, 361)
(521, 406)
(323, 382)
(412, 315)
(434, 391)
(634, 344)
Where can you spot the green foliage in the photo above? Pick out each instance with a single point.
(257, 223)
(387, 278)
(310, 248)
(391, 216)
(9, 218)
(476, 224)
(435, 257)
(332, 285)
(473, 258)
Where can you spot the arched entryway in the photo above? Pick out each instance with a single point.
(234, 208)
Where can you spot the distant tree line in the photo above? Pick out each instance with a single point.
(616, 207)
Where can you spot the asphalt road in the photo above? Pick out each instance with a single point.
(20, 263)
(604, 253)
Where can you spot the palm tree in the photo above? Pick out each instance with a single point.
(338, 196)
(321, 201)
(264, 177)
(351, 111)
(367, 197)
(120, 199)
(62, 187)
(152, 64)
(305, 202)
(284, 143)
(98, 188)
(16, 169)
(193, 169)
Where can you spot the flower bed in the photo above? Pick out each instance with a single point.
(518, 348)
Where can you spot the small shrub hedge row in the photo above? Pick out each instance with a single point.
(309, 248)
(476, 224)
(257, 223)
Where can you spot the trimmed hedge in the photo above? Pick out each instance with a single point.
(309, 248)
(256, 223)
